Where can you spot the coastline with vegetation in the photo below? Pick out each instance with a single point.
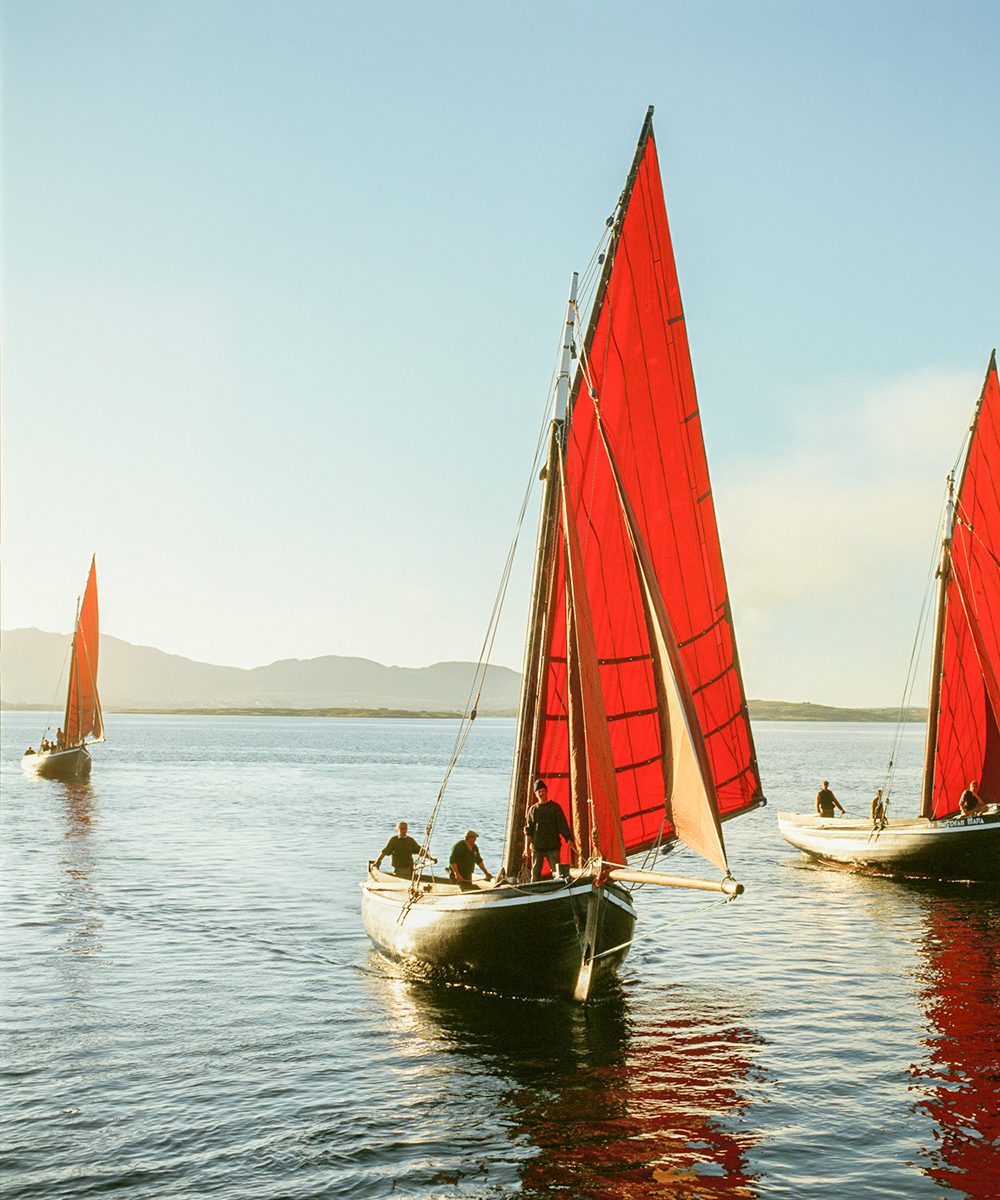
(760, 710)
(785, 710)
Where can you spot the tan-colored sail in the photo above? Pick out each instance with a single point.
(688, 783)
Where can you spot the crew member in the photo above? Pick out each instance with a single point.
(464, 859)
(545, 828)
(401, 848)
(826, 801)
(971, 802)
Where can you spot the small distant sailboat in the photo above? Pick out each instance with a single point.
(963, 713)
(68, 757)
(632, 704)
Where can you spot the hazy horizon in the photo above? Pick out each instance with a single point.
(256, 667)
(284, 283)
(67, 634)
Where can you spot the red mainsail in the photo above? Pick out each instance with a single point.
(967, 743)
(83, 706)
(635, 372)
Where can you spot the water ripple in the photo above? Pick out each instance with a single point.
(192, 1009)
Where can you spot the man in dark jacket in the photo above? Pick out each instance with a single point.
(545, 827)
(401, 849)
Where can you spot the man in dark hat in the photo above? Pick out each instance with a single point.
(545, 828)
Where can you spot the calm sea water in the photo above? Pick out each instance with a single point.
(191, 1008)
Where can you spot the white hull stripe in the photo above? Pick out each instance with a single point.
(49, 755)
(467, 902)
(867, 836)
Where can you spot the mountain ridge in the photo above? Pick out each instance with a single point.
(145, 679)
(32, 663)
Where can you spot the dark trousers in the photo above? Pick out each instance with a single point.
(538, 857)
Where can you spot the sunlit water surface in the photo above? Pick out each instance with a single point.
(191, 1008)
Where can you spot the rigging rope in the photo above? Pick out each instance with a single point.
(591, 275)
(58, 689)
(923, 620)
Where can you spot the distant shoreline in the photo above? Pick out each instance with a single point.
(785, 710)
(265, 712)
(760, 710)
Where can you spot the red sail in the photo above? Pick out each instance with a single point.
(968, 727)
(593, 789)
(637, 368)
(83, 707)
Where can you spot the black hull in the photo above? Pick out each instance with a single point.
(526, 939)
(962, 848)
(74, 763)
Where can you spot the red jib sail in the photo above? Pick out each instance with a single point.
(636, 372)
(83, 706)
(968, 722)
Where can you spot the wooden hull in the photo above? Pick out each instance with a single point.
(523, 939)
(74, 763)
(956, 848)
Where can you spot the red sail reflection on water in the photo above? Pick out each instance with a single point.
(663, 1119)
(962, 1076)
(619, 1101)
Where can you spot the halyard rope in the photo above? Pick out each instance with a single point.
(911, 671)
(479, 677)
(702, 908)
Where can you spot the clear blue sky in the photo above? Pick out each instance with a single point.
(283, 285)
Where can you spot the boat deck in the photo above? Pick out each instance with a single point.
(901, 824)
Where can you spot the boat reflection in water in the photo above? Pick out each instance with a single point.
(76, 887)
(627, 1098)
(961, 1075)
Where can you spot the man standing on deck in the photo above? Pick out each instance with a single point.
(826, 800)
(464, 859)
(545, 828)
(401, 849)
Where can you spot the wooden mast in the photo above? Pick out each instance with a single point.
(528, 715)
(74, 674)
(934, 700)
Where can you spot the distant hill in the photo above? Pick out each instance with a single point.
(33, 673)
(784, 710)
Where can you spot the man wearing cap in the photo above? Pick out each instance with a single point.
(464, 859)
(546, 826)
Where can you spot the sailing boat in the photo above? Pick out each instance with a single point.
(632, 704)
(963, 713)
(68, 757)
